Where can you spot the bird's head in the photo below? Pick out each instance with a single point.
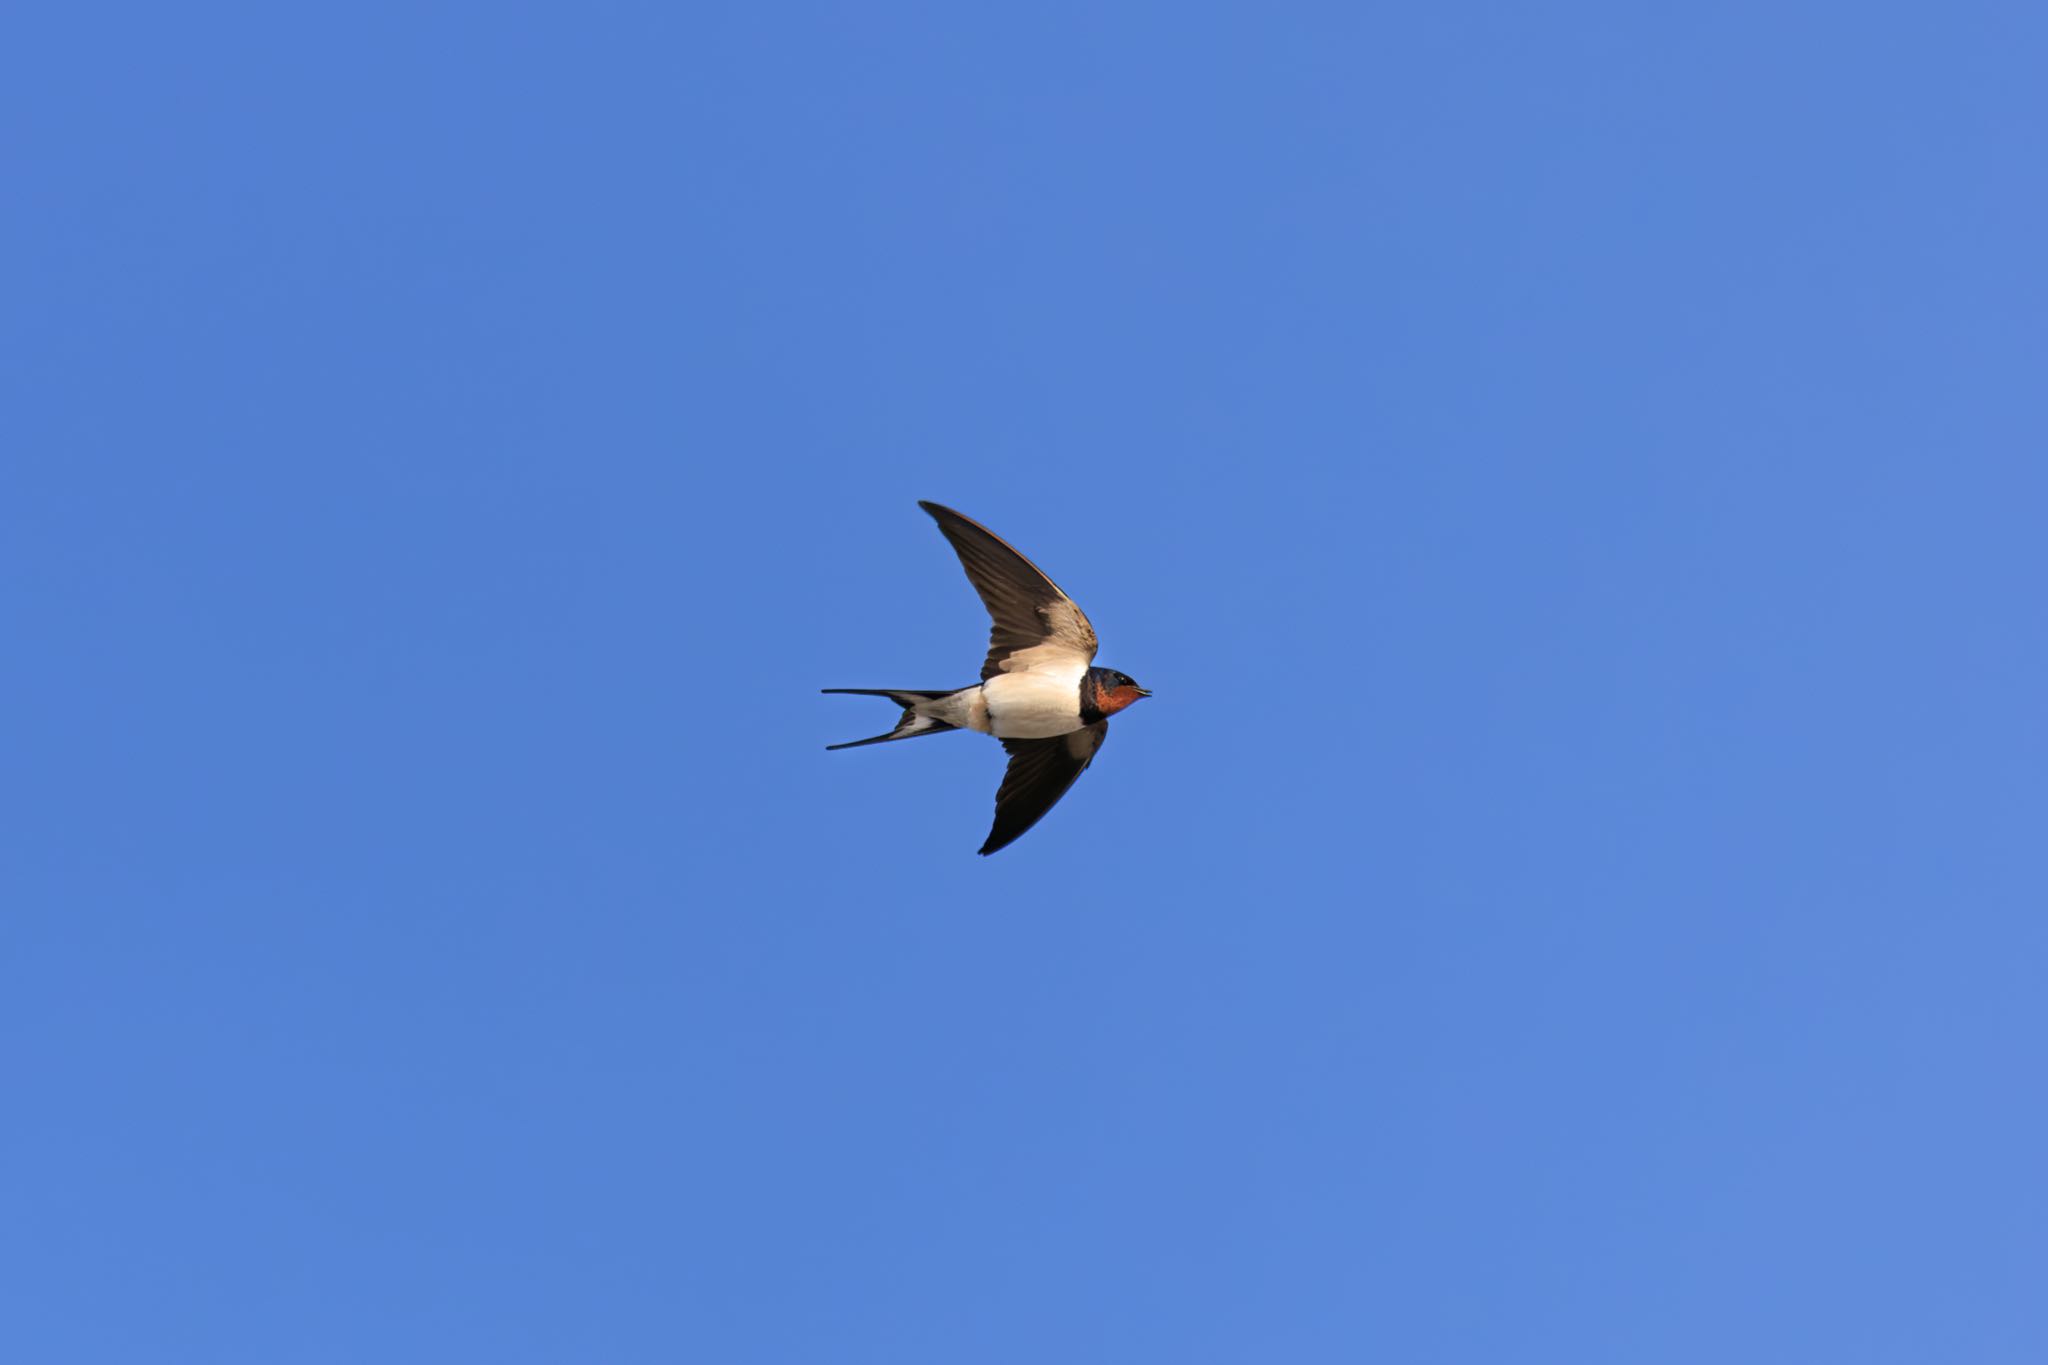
(1114, 691)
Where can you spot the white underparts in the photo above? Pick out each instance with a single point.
(1036, 703)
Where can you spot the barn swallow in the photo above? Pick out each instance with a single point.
(1039, 693)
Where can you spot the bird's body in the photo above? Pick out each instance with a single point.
(1037, 703)
(1039, 693)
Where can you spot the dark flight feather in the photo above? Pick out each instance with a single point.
(1040, 772)
(1033, 621)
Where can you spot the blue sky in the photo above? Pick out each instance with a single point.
(1573, 475)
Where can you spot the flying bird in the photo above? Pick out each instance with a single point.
(1039, 692)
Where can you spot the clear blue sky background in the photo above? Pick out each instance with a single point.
(1574, 475)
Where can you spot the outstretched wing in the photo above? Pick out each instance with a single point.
(1040, 772)
(1035, 623)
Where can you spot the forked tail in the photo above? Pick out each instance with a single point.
(909, 726)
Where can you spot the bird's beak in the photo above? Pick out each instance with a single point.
(1144, 691)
